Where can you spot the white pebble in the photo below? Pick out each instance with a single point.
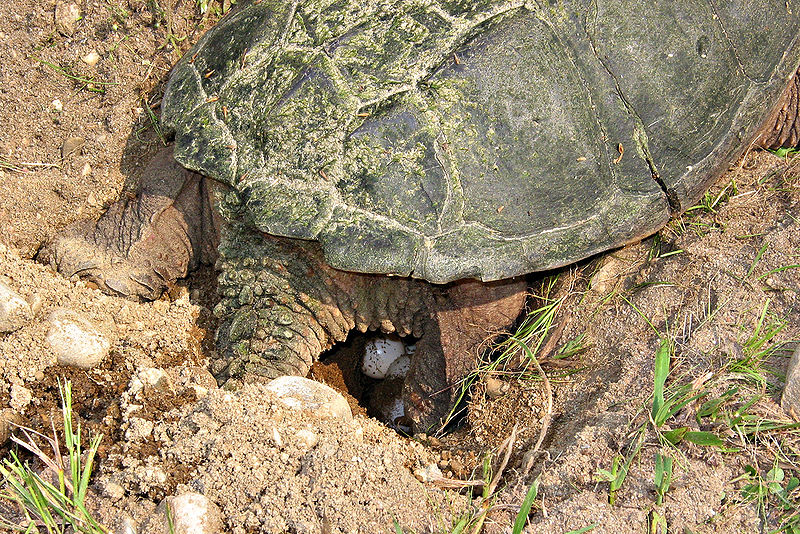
(276, 438)
(91, 58)
(15, 312)
(399, 367)
(194, 513)
(428, 473)
(21, 397)
(57, 105)
(154, 377)
(138, 429)
(379, 353)
(75, 341)
(66, 17)
(303, 394)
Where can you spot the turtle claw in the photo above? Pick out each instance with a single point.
(111, 272)
(84, 267)
(118, 286)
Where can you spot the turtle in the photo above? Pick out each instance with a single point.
(402, 165)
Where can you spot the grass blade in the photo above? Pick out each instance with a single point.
(661, 372)
(525, 508)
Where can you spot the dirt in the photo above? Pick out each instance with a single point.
(703, 282)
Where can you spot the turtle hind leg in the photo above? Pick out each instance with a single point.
(465, 316)
(782, 128)
(143, 243)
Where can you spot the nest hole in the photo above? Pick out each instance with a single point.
(342, 368)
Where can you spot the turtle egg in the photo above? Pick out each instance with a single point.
(379, 353)
(399, 368)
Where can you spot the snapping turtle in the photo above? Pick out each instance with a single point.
(400, 164)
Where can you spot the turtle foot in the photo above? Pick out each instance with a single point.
(142, 244)
(267, 326)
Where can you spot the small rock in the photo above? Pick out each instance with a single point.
(36, 302)
(191, 513)
(86, 170)
(276, 438)
(306, 438)
(20, 398)
(496, 387)
(15, 312)
(112, 490)
(91, 58)
(57, 106)
(71, 146)
(138, 429)
(155, 378)
(75, 341)
(790, 401)
(66, 16)
(428, 473)
(161, 306)
(125, 525)
(305, 394)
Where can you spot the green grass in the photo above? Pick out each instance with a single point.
(90, 84)
(620, 466)
(758, 347)
(775, 496)
(713, 201)
(662, 478)
(52, 501)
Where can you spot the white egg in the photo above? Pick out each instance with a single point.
(399, 368)
(379, 353)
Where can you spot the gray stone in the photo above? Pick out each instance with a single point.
(75, 341)
(71, 145)
(15, 312)
(191, 513)
(304, 394)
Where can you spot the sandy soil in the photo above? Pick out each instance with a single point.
(73, 137)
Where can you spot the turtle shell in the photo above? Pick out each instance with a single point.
(474, 138)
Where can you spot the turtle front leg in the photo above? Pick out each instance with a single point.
(144, 242)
